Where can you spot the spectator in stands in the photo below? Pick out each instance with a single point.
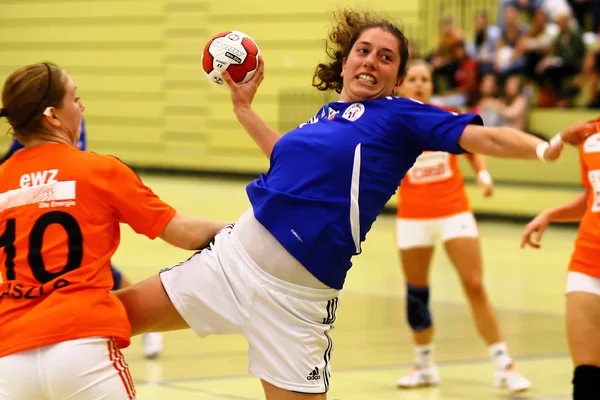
(442, 60)
(466, 81)
(487, 105)
(529, 6)
(590, 74)
(553, 8)
(556, 8)
(565, 61)
(483, 46)
(511, 109)
(538, 43)
(513, 106)
(509, 52)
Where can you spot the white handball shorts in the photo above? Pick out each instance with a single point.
(424, 232)
(221, 290)
(578, 282)
(80, 369)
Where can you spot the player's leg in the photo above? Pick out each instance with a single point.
(197, 293)
(149, 309)
(87, 368)
(462, 247)
(221, 291)
(153, 341)
(415, 245)
(583, 333)
(20, 376)
(290, 347)
(272, 392)
(461, 240)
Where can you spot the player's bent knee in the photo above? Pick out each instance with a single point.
(474, 286)
(585, 382)
(417, 307)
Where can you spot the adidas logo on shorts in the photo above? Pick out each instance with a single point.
(314, 375)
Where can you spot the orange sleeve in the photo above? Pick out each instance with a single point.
(585, 180)
(135, 203)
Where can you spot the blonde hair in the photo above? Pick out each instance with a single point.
(419, 63)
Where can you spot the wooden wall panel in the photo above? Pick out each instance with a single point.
(137, 66)
(114, 52)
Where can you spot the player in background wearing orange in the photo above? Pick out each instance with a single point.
(61, 327)
(583, 278)
(433, 203)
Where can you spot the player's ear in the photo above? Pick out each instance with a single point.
(398, 83)
(343, 67)
(50, 116)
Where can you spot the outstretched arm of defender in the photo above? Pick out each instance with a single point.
(571, 211)
(190, 233)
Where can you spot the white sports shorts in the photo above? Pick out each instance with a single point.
(220, 290)
(424, 232)
(578, 282)
(81, 369)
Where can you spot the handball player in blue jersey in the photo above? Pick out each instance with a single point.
(153, 341)
(276, 276)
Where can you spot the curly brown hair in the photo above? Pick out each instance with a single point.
(348, 27)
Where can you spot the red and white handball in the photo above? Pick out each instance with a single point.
(231, 51)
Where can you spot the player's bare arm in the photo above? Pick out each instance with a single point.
(242, 96)
(190, 233)
(506, 142)
(571, 211)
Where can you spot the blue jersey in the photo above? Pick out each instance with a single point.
(16, 145)
(330, 178)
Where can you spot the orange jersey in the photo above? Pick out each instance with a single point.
(434, 187)
(60, 210)
(586, 256)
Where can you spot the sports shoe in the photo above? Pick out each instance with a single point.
(420, 377)
(153, 344)
(511, 380)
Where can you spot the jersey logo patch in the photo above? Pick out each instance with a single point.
(431, 166)
(49, 195)
(592, 144)
(332, 114)
(354, 112)
(594, 177)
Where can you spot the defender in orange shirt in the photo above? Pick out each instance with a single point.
(583, 278)
(61, 328)
(432, 204)
(153, 341)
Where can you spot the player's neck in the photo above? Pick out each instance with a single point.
(46, 139)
